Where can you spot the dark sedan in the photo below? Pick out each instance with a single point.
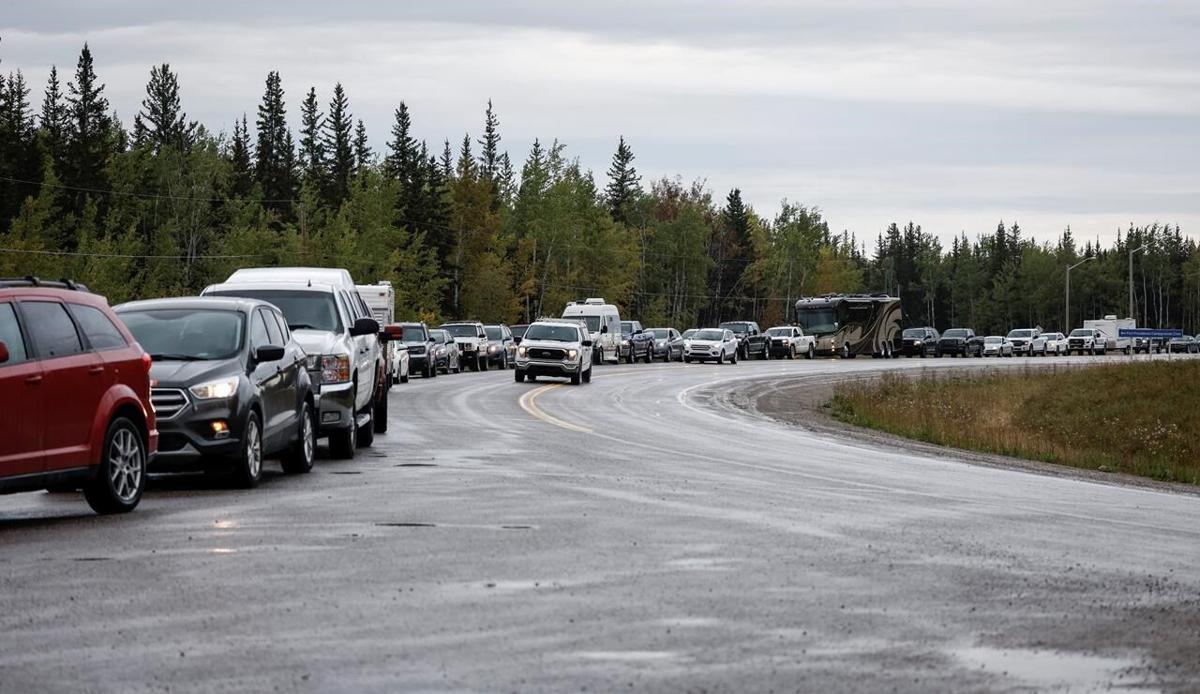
(229, 385)
(919, 342)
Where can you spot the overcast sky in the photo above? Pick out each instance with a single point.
(952, 114)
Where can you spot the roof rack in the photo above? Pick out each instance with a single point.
(31, 281)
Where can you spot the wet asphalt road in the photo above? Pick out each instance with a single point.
(636, 533)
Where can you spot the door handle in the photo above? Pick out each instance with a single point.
(95, 370)
(34, 380)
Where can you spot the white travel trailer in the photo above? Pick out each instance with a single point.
(381, 299)
(603, 322)
(1111, 326)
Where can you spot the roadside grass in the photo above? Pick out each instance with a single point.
(1139, 418)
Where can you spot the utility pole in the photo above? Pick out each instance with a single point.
(1135, 250)
(1067, 304)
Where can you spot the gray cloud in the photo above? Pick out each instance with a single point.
(953, 114)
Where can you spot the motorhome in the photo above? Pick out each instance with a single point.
(847, 325)
(603, 322)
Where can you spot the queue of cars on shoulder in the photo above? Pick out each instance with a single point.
(263, 364)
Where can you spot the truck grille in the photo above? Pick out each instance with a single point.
(546, 353)
(167, 402)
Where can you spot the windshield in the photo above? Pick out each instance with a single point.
(303, 309)
(413, 333)
(817, 321)
(519, 330)
(1081, 332)
(493, 332)
(463, 330)
(993, 340)
(914, 332)
(737, 328)
(661, 333)
(626, 326)
(438, 336)
(551, 333)
(592, 322)
(1020, 333)
(779, 332)
(955, 332)
(689, 332)
(715, 335)
(187, 334)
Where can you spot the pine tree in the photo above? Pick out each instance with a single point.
(401, 162)
(447, 161)
(275, 162)
(337, 138)
(18, 144)
(240, 159)
(624, 183)
(90, 136)
(52, 122)
(363, 156)
(489, 155)
(312, 150)
(162, 115)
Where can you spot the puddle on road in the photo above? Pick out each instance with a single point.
(1053, 671)
(346, 472)
(92, 559)
(416, 465)
(406, 525)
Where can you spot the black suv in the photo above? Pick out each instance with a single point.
(919, 342)
(752, 341)
(229, 385)
(635, 343)
(957, 342)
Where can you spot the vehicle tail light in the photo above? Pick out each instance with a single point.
(147, 361)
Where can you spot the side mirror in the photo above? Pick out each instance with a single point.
(3, 352)
(637, 332)
(431, 340)
(585, 343)
(603, 329)
(364, 326)
(517, 340)
(268, 353)
(392, 332)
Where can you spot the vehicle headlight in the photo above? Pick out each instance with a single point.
(522, 351)
(213, 390)
(493, 348)
(624, 343)
(335, 368)
(572, 354)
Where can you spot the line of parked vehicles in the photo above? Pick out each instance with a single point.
(268, 361)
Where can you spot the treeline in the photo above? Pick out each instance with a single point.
(164, 206)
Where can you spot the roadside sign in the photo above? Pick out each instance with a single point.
(1150, 332)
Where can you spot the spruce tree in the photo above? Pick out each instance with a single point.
(447, 162)
(401, 161)
(337, 138)
(362, 148)
(240, 159)
(52, 122)
(489, 154)
(275, 162)
(90, 137)
(19, 157)
(624, 183)
(162, 113)
(312, 150)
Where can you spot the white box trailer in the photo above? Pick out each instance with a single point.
(603, 322)
(1111, 326)
(381, 299)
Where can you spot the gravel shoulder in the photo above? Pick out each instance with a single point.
(803, 401)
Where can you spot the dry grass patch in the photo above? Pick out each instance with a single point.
(1141, 418)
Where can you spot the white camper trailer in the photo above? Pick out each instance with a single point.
(603, 322)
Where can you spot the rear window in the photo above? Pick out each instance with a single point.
(779, 332)
(494, 332)
(955, 333)
(737, 328)
(100, 331)
(51, 328)
(413, 333)
(914, 332)
(10, 335)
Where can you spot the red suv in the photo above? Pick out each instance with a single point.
(74, 396)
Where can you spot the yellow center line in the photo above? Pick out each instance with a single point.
(528, 403)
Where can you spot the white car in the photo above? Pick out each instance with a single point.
(1056, 343)
(788, 341)
(997, 346)
(399, 362)
(711, 344)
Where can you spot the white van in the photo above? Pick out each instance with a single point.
(603, 322)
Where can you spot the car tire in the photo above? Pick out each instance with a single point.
(342, 442)
(121, 477)
(811, 353)
(721, 358)
(428, 371)
(518, 375)
(299, 458)
(734, 359)
(247, 466)
(379, 415)
(587, 376)
(576, 379)
(687, 360)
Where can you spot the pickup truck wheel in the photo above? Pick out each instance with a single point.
(482, 365)
(587, 376)
(365, 435)
(519, 375)
(341, 443)
(119, 482)
(810, 353)
(299, 458)
(247, 466)
(687, 360)
(576, 379)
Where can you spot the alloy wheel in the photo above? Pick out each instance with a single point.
(126, 463)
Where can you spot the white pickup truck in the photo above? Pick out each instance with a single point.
(789, 341)
(1110, 327)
